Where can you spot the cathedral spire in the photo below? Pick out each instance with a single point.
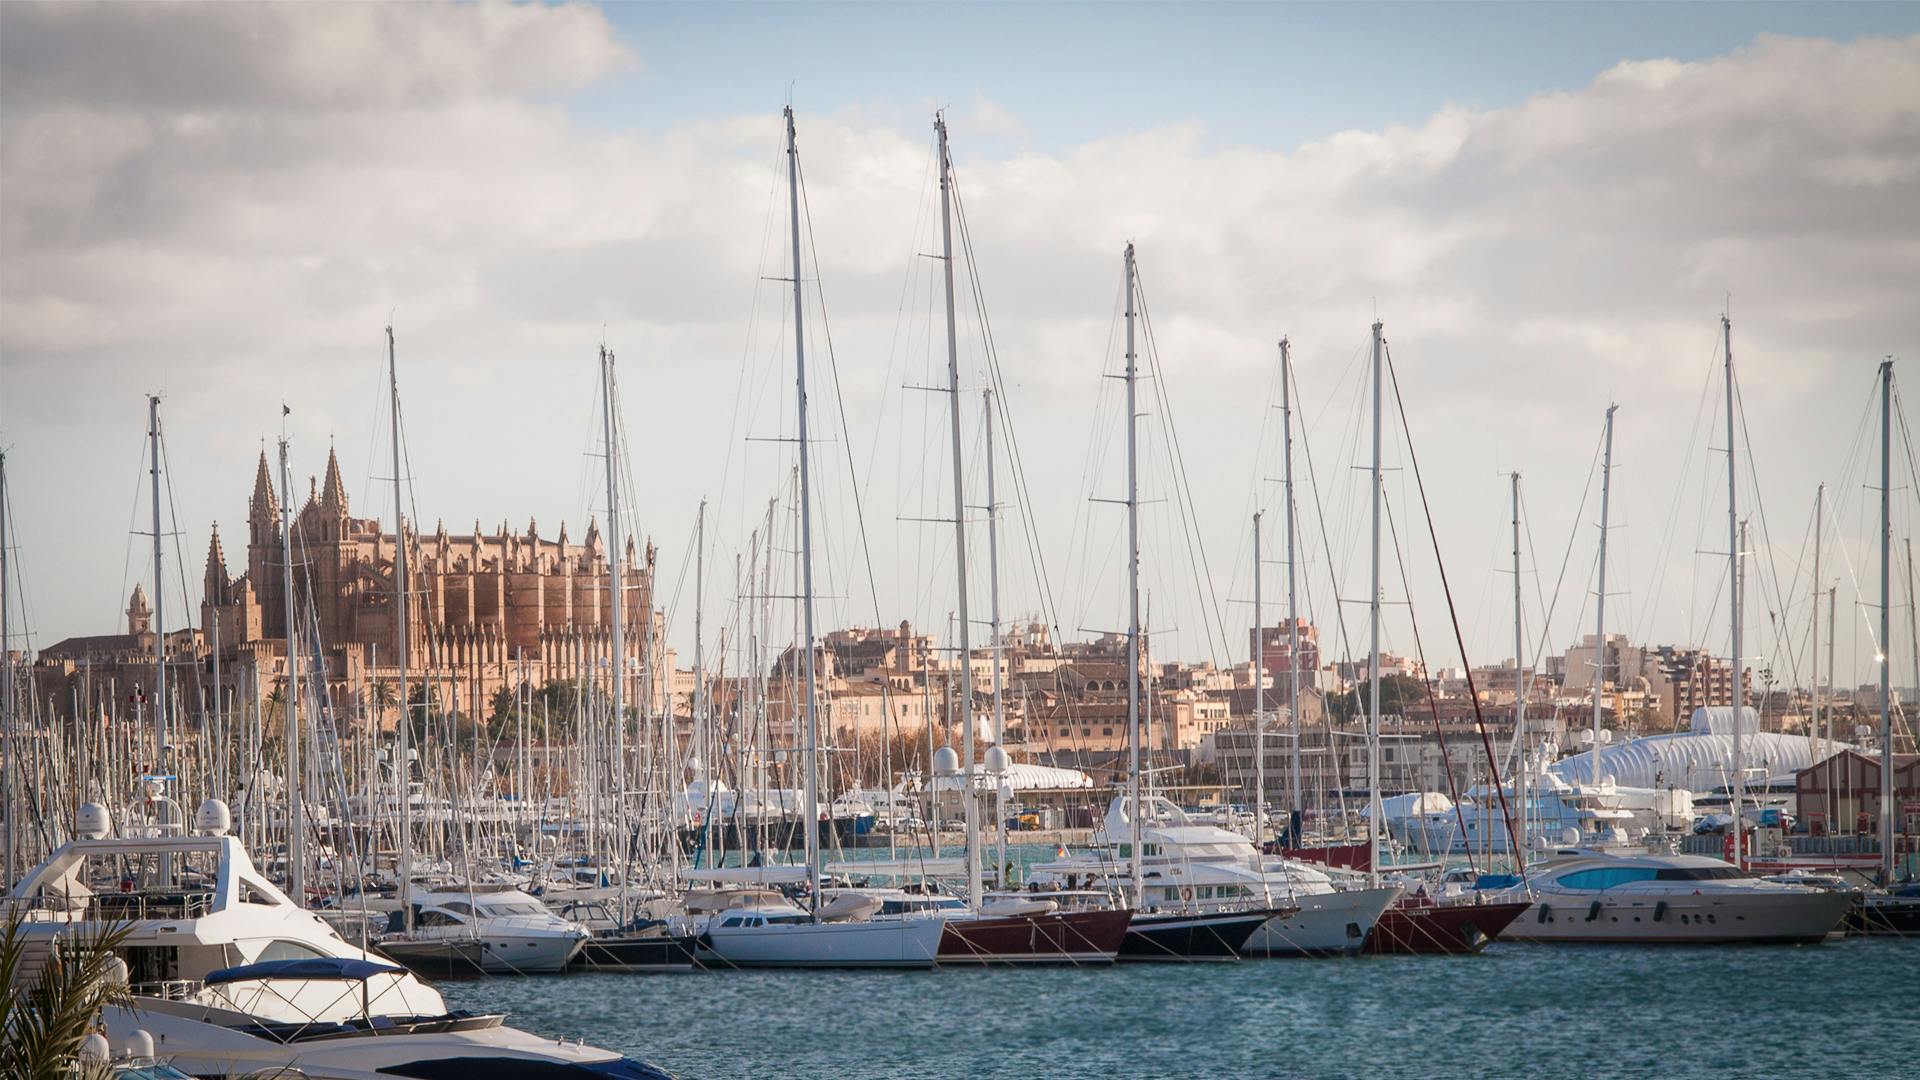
(217, 581)
(263, 510)
(333, 495)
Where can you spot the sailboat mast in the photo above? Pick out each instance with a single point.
(812, 824)
(1600, 593)
(1819, 512)
(959, 525)
(1886, 622)
(1293, 601)
(6, 672)
(159, 595)
(296, 803)
(616, 587)
(402, 639)
(1373, 643)
(1136, 867)
(1735, 604)
(999, 658)
(1259, 698)
(703, 734)
(1517, 844)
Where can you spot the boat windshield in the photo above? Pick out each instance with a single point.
(513, 907)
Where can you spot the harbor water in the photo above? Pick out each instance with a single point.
(1845, 1008)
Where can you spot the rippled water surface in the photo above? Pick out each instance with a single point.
(1846, 1008)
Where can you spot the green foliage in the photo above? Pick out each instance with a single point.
(43, 1024)
(1400, 695)
(555, 709)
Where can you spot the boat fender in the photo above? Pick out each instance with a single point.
(1660, 911)
(1186, 893)
(1546, 913)
(1594, 911)
(1354, 931)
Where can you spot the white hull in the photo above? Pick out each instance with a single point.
(535, 954)
(905, 943)
(1673, 918)
(207, 1049)
(1326, 924)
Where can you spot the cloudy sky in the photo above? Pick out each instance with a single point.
(1549, 208)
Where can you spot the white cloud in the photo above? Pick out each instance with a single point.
(229, 199)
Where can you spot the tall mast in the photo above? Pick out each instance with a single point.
(1886, 623)
(616, 587)
(703, 734)
(1819, 511)
(812, 828)
(1293, 604)
(1133, 604)
(296, 802)
(402, 639)
(1259, 698)
(1735, 603)
(6, 671)
(1600, 595)
(159, 595)
(1373, 644)
(1517, 844)
(974, 897)
(999, 657)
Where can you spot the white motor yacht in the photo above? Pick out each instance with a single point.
(1583, 895)
(1204, 868)
(509, 932)
(230, 977)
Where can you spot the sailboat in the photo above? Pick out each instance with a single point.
(762, 928)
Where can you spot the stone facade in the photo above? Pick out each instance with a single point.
(488, 608)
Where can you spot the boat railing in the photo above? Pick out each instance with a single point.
(167, 989)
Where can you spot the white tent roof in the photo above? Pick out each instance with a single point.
(1698, 763)
(1023, 777)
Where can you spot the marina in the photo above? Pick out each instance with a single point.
(856, 734)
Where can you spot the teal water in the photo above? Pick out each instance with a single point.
(1847, 1008)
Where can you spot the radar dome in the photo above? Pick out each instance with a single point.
(95, 1049)
(213, 818)
(92, 822)
(140, 1044)
(996, 760)
(945, 762)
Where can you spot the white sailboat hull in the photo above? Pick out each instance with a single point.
(903, 943)
(1327, 924)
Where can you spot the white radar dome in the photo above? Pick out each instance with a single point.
(140, 1044)
(996, 761)
(945, 762)
(92, 822)
(213, 819)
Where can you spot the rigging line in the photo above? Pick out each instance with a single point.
(173, 515)
(133, 518)
(853, 481)
(742, 383)
(1426, 682)
(1784, 599)
(1339, 609)
(1663, 552)
(1177, 465)
(1486, 741)
(1029, 527)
